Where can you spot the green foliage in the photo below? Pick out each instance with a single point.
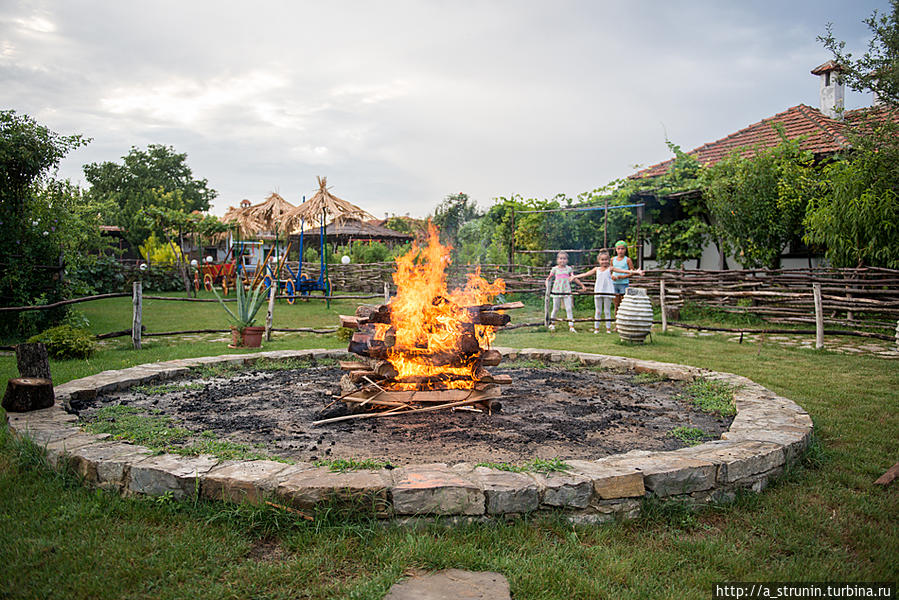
(65, 341)
(758, 202)
(155, 177)
(248, 305)
(878, 68)
(711, 396)
(856, 214)
(156, 252)
(691, 436)
(452, 213)
(43, 222)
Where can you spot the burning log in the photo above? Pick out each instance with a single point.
(428, 345)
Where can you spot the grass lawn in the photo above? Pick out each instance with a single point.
(822, 521)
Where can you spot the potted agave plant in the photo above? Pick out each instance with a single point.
(243, 333)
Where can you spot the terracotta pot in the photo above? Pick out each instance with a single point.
(634, 317)
(235, 337)
(252, 336)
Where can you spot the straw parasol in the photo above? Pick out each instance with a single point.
(241, 218)
(324, 205)
(270, 215)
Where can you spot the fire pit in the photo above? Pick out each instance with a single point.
(602, 481)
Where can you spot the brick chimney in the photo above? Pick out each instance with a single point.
(832, 89)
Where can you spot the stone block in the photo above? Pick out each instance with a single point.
(668, 474)
(435, 489)
(737, 460)
(506, 492)
(106, 463)
(240, 481)
(564, 490)
(306, 488)
(610, 481)
(180, 475)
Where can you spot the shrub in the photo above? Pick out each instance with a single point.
(66, 341)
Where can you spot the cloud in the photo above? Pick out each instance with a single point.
(404, 102)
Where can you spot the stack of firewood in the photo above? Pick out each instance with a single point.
(374, 383)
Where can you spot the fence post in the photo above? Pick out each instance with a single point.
(136, 306)
(269, 316)
(386, 293)
(662, 306)
(819, 316)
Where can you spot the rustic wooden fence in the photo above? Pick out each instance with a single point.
(861, 302)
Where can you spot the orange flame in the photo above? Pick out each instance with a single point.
(435, 333)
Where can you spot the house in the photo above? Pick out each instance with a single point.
(822, 132)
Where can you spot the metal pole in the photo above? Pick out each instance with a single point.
(605, 227)
(325, 260)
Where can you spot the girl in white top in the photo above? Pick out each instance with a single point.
(561, 276)
(605, 274)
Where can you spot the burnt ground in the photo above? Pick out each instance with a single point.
(546, 413)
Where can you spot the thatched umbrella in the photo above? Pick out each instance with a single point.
(324, 206)
(241, 218)
(271, 214)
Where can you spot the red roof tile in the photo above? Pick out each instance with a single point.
(822, 135)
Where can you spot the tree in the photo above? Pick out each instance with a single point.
(44, 223)
(452, 213)
(134, 185)
(856, 214)
(758, 203)
(878, 68)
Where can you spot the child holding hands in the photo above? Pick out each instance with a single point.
(605, 277)
(561, 277)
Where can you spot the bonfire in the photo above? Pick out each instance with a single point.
(426, 349)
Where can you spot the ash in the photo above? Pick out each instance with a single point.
(547, 413)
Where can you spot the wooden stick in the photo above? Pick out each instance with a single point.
(888, 477)
(136, 313)
(819, 317)
(391, 414)
(290, 510)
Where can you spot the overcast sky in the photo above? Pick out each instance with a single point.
(402, 103)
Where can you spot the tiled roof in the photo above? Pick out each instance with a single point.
(822, 135)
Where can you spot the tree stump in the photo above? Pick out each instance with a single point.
(32, 361)
(24, 394)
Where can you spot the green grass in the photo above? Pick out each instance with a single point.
(160, 433)
(711, 396)
(691, 436)
(824, 520)
(537, 465)
(342, 465)
(648, 378)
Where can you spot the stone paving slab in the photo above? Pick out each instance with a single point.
(768, 432)
(452, 584)
(435, 489)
